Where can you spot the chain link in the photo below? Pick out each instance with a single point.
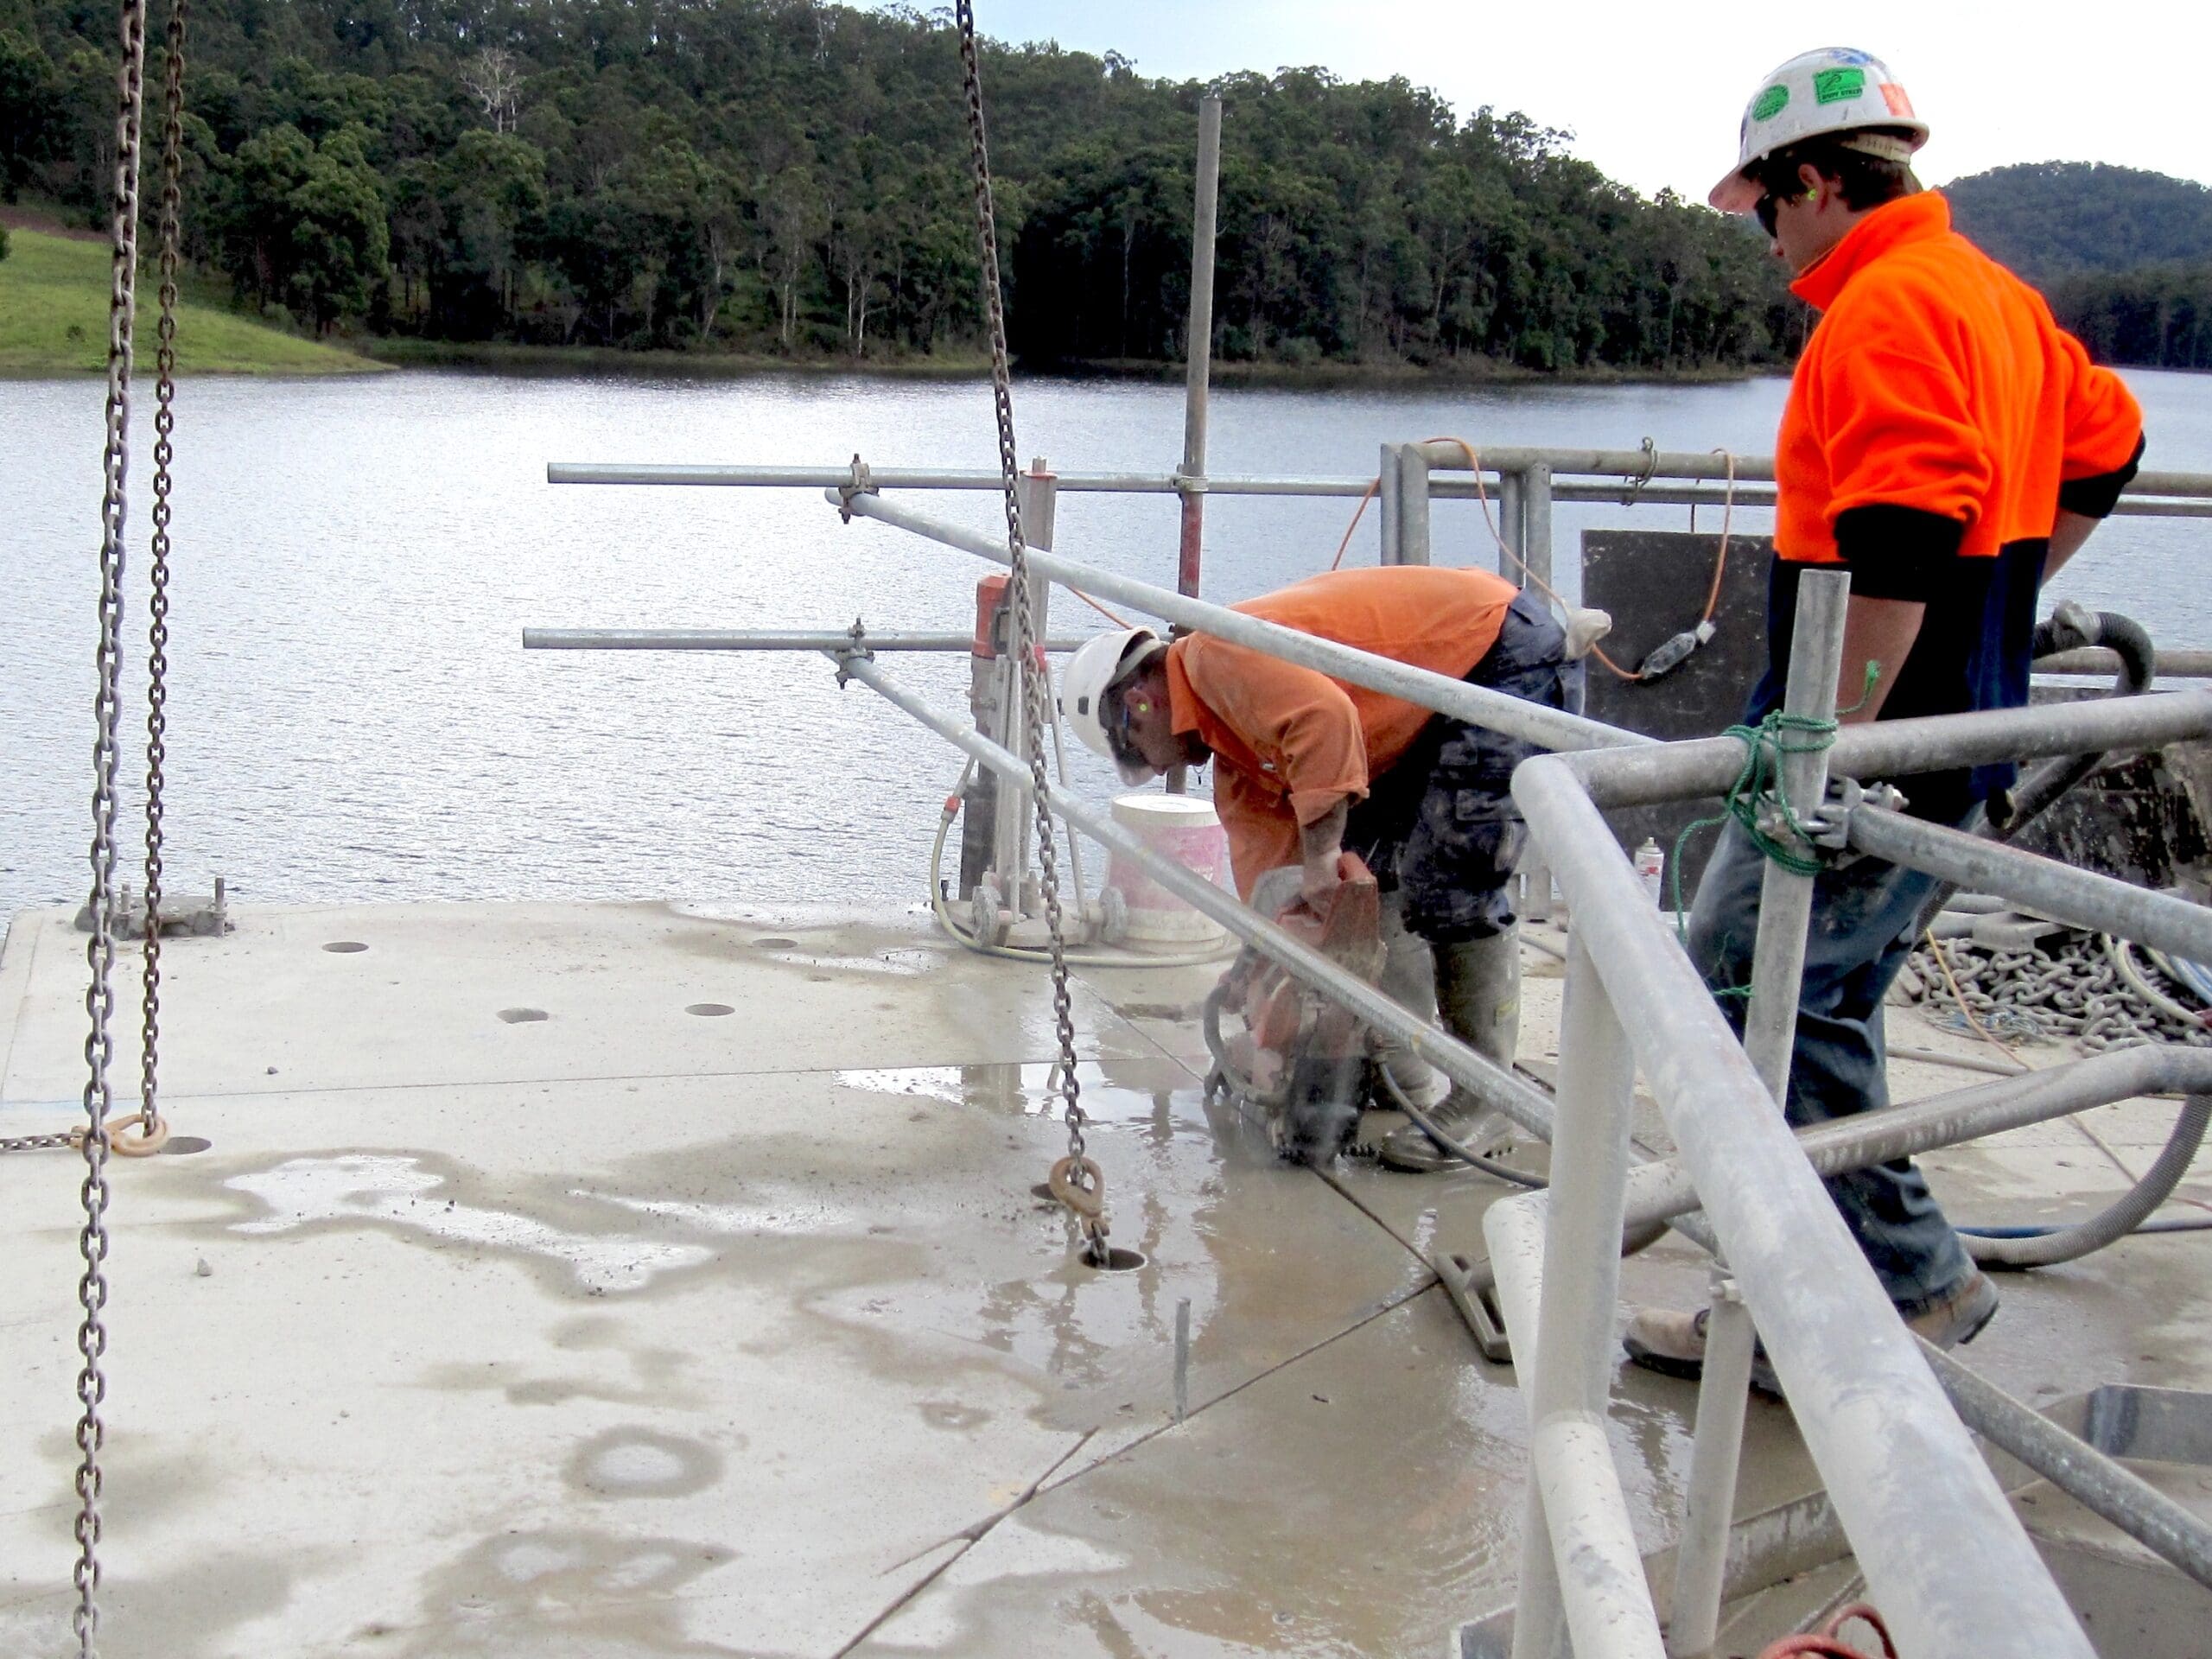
(157, 633)
(1035, 688)
(99, 996)
(2065, 990)
(60, 1143)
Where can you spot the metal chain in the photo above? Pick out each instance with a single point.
(99, 997)
(1077, 1179)
(158, 634)
(2064, 990)
(60, 1143)
(150, 1128)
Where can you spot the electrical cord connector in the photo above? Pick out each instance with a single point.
(1673, 652)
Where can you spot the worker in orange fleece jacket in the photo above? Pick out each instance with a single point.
(1949, 447)
(1307, 766)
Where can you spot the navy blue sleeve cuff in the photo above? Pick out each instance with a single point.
(2095, 498)
(1897, 552)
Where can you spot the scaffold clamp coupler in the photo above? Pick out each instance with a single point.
(859, 482)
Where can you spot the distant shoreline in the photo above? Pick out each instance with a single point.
(498, 356)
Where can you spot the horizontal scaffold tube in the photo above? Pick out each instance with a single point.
(2100, 1484)
(1531, 722)
(1626, 468)
(2082, 897)
(1662, 1190)
(1447, 454)
(749, 639)
(2103, 660)
(1943, 1554)
(1493, 1088)
(1705, 766)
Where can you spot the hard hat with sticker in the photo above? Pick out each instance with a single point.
(1834, 90)
(1099, 665)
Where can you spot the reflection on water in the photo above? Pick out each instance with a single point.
(353, 715)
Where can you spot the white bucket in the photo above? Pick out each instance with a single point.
(1183, 830)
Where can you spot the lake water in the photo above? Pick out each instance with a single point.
(352, 716)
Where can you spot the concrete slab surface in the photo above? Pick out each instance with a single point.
(634, 1279)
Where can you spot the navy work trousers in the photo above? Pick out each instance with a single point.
(1440, 825)
(1857, 941)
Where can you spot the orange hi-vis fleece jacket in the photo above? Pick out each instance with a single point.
(1289, 743)
(1938, 422)
(1937, 381)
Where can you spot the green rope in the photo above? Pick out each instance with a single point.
(1760, 785)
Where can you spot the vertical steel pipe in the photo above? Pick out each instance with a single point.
(1535, 544)
(1786, 898)
(1389, 503)
(1015, 817)
(1198, 345)
(1412, 505)
(1506, 505)
(1570, 1379)
(1514, 1228)
(1709, 1506)
(1943, 1551)
(1535, 547)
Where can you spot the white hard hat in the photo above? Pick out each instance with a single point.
(1833, 90)
(1099, 664)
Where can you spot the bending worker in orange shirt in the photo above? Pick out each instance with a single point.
(1306, 767)
(1949, 447)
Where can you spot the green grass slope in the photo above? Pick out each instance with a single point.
(54, 297)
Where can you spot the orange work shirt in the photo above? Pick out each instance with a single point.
(1937, 380)
(1290, 742)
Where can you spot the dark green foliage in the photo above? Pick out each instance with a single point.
(2049, 219)
(33, 117)
(2124, 256)
(791, 176)
(2157, 316)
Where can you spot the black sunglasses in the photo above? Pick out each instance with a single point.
(1770, 203)
(1117, 728)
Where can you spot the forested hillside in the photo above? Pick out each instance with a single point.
(2124, 256)
(790, 177)
(2048, 219)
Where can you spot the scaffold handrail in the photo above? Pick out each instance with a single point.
(1553, 728)
(1765, 1228)
(1935, 1536)
(1570, 468)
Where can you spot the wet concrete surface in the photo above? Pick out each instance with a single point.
(635, 1330)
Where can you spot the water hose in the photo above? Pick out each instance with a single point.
(2155, 1224)
(1444, 1143)
(2002, 1249)
(967, 941)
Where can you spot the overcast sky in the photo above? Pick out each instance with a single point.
(1653, 94)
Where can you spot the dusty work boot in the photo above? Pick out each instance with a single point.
(1409, 980)
(1479, 998)
(1672, 1342)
